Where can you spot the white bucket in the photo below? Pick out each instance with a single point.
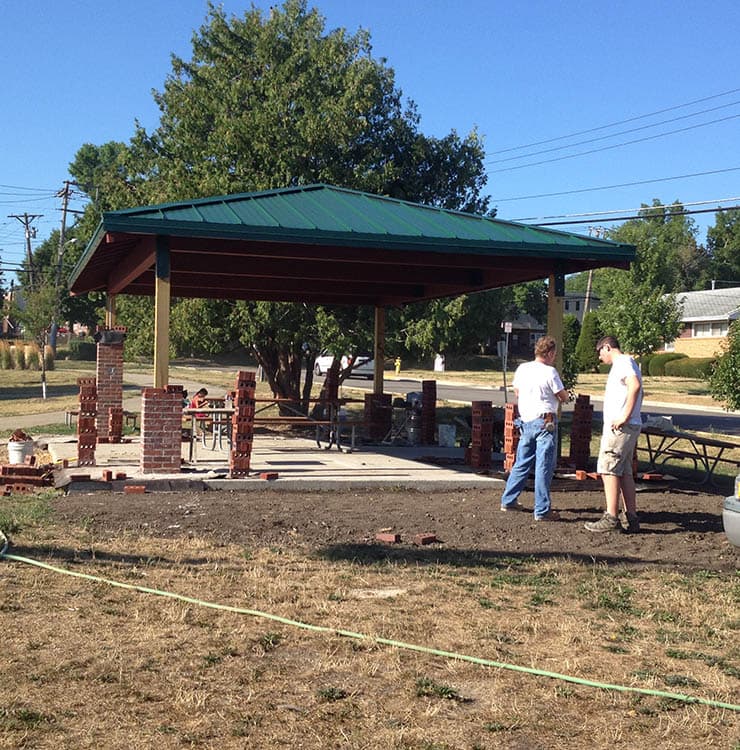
(19, 450)
(446, 434)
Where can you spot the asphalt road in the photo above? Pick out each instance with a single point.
(684, 417)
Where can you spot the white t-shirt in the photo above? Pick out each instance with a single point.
(615, 393)
(537, 384)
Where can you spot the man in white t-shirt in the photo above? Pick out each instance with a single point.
(539, 390)
(622, 424)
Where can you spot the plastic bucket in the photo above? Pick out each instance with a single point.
(19, 450)
(446, 434)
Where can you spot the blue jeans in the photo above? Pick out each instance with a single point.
(536, 446)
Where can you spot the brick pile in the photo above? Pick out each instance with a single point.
(511, 436)
(481, 443)
(428, 411)
(161, 429)
(378, 415)
(25, 478)
(87, 434)
(580, 432)
(242, 430)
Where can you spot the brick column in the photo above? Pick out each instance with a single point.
(109, 378)
(161, 430)
(428, 411)
(242, 425)
(580, 432)
(378, 415)
(481, 443)
(511, 436)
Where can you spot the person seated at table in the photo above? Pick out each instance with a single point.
(200, 401)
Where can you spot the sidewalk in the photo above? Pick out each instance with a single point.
(297, 461)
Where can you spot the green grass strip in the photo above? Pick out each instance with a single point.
(362, 637)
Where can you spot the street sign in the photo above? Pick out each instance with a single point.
(507, 327)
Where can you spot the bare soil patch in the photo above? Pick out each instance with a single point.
(681, 528)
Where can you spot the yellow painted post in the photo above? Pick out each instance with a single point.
(379, 350)
(162, 315)
(110, 310)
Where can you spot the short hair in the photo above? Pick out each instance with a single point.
(544, 345)
(607, 340)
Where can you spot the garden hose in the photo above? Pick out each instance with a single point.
(370, 639)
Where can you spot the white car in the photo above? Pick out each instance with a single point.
(365, 367)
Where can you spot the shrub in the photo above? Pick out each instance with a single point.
(19, 356)
(657, 362)
(80, 349)
(48, 357)
(586, 357)
(33, 357)
(6, 356)
(690, 367)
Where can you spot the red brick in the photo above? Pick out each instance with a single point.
(389, 538)
(134, 489)
(268, 475)
(425, 539)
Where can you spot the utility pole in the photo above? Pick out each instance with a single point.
(593, 231)
(64, 194)
(26, 220)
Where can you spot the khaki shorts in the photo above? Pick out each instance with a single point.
(616, 450)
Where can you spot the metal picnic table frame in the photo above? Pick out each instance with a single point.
(704, 451)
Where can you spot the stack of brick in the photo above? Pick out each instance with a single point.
(428, 411)
(378, 415)
(481, 443)
(511, 436)
(242, 429)
(161, 426)
(109, 379)
(115, 424)
(24, 478)
(87, 434)
(580, 432)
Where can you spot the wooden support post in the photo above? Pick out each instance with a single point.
(162, 314)
(110, 310)
(379, 350)
(555, 294)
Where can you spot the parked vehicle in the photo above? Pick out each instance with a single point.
(364, 367)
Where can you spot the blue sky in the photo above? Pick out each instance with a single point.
(521, 73)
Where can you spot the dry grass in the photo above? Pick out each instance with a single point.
(87, 665)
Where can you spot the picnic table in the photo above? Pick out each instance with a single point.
(665, 445)
(215, 421)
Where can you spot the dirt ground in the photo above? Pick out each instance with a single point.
(681, 528)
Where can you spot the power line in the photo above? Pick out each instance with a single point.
(613, 124)
(615, 145)
(612, 135)
(612, 187)
(629, 218)
(627, 210)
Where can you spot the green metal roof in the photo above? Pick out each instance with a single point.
(320, 243)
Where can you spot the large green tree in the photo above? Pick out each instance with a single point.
(723, 247)
(272, 100)
(638, 306)
(724, 381)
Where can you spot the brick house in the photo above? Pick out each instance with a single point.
(705, 320)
